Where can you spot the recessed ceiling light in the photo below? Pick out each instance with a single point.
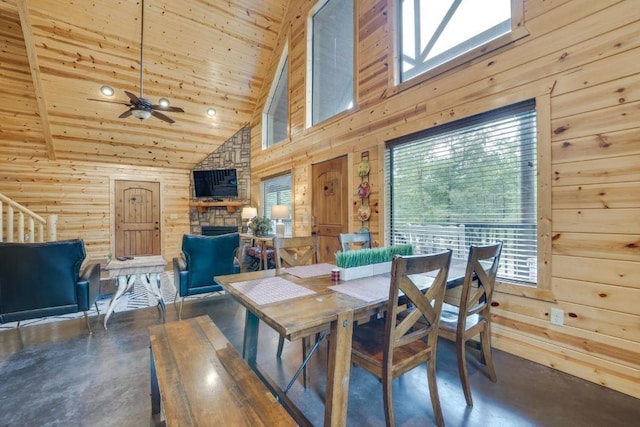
(163, 102)
(106, 90)
(211, 112)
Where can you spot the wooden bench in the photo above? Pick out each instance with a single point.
(199, 379)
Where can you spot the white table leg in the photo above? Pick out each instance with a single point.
(124, 284)
(154, 289)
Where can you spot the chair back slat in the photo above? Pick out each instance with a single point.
(482, 268)
(295, 251)
(406, 325)
(354, 241)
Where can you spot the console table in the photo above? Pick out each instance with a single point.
(148, 268)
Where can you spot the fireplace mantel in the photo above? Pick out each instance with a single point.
(203, 206)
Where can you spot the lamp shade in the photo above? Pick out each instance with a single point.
(279, 212)
(248, 213)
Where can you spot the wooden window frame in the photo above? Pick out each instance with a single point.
(284, 57)
(518, 31)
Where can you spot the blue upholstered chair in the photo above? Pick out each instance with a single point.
(44, 279)
(203, 258)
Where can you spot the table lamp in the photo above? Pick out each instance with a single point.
(279, 212)
(248, 213)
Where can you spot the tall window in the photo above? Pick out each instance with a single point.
(469, 182)
(436, 31)
(276, 117)
(277, 191)
(331, 46)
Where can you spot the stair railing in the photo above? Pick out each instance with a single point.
(14, 229)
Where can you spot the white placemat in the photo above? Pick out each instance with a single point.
(376, 288)
(369, 289)
(314, 270)
(272, 289)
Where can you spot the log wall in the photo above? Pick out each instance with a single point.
(82, 195)
(580, 59)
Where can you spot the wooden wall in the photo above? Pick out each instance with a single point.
(82, 195)
(580, 60)
(79, 192)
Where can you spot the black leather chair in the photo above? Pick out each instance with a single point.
(44, 279)
(204, 257)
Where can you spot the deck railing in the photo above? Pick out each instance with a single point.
(519, 252)
(20, 224)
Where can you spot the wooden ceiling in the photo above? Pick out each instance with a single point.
(55, 54)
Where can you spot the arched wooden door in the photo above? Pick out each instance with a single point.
(137, 218)
(330, 208)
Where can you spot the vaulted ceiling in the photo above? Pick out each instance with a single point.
(56, 54)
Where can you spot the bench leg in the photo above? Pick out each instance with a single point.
(155, 390)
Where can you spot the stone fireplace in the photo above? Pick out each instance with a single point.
(234, 153)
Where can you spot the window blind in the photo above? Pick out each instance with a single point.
(470, 182)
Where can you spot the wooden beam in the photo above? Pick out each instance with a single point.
(30, 46)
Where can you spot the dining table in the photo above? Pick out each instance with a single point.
(299, 302)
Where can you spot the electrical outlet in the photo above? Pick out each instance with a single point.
(26, 237)
(557, 317)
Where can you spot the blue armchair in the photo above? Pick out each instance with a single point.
(204, 257)
(44, 279)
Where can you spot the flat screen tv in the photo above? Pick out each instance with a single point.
(215, 183)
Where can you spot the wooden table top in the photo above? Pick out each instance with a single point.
(300, 316)
(137, 265)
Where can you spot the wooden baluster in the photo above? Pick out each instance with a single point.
(9, 224)
(20, 227)
(40, 232)
(51, 228)
(32, 230)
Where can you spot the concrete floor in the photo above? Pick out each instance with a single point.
(59, 375)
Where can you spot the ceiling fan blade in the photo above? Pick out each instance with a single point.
(162, 116)
(110, 102)
(132, 97)
(125, 114)
(174, 109)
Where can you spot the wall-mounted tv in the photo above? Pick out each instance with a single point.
(215, 183)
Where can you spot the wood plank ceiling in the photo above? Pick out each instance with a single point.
(197, 53)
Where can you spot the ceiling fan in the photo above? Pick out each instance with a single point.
(139, 106)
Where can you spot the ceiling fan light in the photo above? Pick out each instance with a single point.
(211, 112)
(163, 102)
(107, 90)
(141, 114)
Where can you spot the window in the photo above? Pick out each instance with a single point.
(469, 182)
(277, 191)
(275, 120)
(433, 32)
(331, 46)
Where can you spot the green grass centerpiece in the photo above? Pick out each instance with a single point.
(368, 262)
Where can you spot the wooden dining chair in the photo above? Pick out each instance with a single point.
(408, 335)
(354, 241)
(471, 316)
(293, 252)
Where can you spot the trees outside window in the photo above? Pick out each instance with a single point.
(470, 182)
